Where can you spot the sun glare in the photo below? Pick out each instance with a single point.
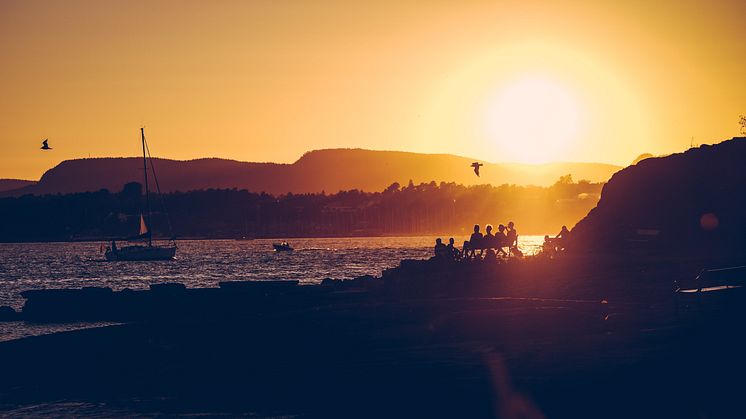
(533, 120)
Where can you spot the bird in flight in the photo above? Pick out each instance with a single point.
(476, 165)
(45, 145)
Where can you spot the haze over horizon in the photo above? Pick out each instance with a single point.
(525, 82)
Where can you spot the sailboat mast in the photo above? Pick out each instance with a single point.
(147, 190)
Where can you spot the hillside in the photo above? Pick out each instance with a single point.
(10, 184)
(316, 171)
(693, 199)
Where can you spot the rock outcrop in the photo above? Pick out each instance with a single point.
(695, 200)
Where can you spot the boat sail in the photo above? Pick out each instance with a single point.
(143, 226)
(149, 251)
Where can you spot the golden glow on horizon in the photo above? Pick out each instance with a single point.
(527, 81)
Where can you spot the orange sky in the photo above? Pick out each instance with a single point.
(521, 80)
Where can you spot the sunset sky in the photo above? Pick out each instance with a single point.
(501, 81)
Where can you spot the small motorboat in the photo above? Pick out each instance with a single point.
(282, 247)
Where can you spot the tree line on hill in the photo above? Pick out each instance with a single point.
(427, 208)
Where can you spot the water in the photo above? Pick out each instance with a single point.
(18, 330)
(203, 263)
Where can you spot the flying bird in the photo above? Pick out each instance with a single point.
(476, 165)
(45, 145)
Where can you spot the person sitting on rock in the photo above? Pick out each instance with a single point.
(451, 250)
(440, 249)
(562, 238)
(549, 247)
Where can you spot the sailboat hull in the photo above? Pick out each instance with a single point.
(137, 253)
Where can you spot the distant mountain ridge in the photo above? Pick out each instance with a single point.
(10, 184)
(328, 170)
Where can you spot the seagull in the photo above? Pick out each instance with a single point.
(45, 145)
(476, 165)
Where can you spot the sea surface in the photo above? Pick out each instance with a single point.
(200, 263)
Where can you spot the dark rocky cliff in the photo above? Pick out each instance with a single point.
(695, 200)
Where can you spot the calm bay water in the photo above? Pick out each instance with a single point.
(203, 263)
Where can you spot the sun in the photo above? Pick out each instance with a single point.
(534, 119)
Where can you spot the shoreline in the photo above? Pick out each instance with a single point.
(573, 336)
(412, 342)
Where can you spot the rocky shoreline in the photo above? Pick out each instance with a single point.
(426, 339)
(411, 279)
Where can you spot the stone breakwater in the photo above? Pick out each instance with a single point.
(411, 279)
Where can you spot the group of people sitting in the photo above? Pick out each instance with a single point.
(446, 252)
(502, 242)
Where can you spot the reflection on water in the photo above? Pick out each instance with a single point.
(204, 263)
(18, 330)
(133, 408)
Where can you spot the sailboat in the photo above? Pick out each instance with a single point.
(149, 250)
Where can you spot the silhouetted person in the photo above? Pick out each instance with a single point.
(548, 246)
(564, 233)
(562, 237)
(488, 236)
(488, 240)
(440, 249)
(476, 166)
(475, 240)
(476, 236)
(453, 252)
(45, 145)
(512, 239)
(501, 240)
